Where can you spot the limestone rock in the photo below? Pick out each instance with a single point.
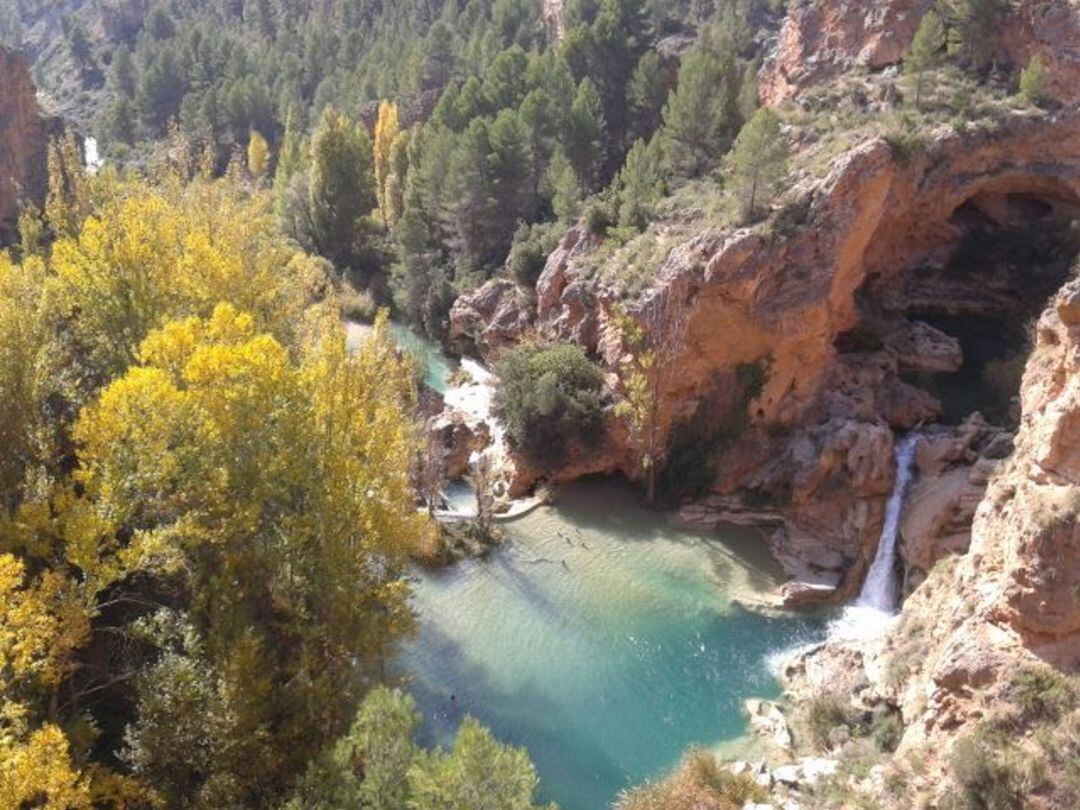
(493, 317)
(821, 40)
(24, 137)
(1010, 601)
(767, 719)
(920, 347)
(458, 438)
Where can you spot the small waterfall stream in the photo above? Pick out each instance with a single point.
(875, 608)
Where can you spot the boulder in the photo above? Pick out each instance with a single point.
(458, 438)
(921, 348)
(493, 317)
(768, 720)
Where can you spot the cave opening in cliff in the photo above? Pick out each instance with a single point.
(977, 302)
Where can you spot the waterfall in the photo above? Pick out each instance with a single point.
(880, 590)
(875, 608)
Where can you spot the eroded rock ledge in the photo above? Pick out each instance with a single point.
(815, 454)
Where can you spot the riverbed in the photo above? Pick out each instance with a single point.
(600, 638)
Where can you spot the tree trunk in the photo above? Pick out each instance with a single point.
(753, 197)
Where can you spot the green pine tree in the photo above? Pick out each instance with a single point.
(564, 187)
(973, 29)
(701, 116)
(759, 159)
(925, 53)
(342, 186)
(1032, 79)
(639, 184)
(584, 139)
(646, 94)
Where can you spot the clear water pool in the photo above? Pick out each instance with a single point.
(601, 639)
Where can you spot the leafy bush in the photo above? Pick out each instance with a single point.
(599, 217)
(822, 714)
(357, 305)
(549, 397)
(886, 729)
(529, 252)
(990, 773)
(377, 764)
(906, 142)
(1042, 694)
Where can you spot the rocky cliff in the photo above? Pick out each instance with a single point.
(959, 659)
(821, 41)
(868, 298)
(24, 134)
(835, 309)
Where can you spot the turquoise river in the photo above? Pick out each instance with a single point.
(598, 636)
(601, 639)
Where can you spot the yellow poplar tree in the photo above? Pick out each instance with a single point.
(68, 200)
(22, 342)
(258, 155)
(387, 130)
(284, 484)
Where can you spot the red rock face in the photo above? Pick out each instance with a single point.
(23, 141)
(1011, 600)
(747, 295)
(820, 41)
(816, 440)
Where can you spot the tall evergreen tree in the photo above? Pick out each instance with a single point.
(564, 187)
(701, 115)
(504, 79)
(289, 159)
(925, 51)
(122, 71)
(342, 185)
(471, 207)
(646, 93)
(513, 181)
(439, 57)
(584, 140)
(639, 185)
(973, 29)
(759, 159)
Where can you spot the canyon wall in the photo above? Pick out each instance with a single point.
(24, 135)
(860, 250)
(1011, 602)
(821, 41)
(817, 443)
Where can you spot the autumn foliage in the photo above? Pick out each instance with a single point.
(205, 509)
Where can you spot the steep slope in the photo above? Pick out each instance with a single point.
(821, 41)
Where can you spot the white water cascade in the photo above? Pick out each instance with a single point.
(876, 606)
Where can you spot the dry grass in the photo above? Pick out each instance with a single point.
(699, 783)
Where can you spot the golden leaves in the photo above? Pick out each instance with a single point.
(37, 771)
(41, 624)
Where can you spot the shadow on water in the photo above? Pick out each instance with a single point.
(632, 521)
(451, 687)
